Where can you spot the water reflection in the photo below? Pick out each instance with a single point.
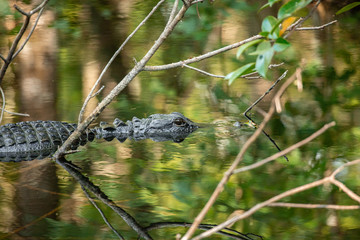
(164, 181)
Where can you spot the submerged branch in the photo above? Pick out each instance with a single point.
(87, 184)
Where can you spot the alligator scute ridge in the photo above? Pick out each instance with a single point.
(39, 139)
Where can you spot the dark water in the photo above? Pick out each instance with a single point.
(170, 182)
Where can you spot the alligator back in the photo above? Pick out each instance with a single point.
(36, 139)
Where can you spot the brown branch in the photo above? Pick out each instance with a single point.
(330, 179)
(237, 160)
(139, 66)
(91, 93)
(12, 52)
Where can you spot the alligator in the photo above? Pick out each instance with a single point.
(39, 139)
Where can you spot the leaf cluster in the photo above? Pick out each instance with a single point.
(273, 41)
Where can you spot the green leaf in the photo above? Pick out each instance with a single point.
(291, 7)
(262, 48)
(241, 71)
(280, 45)
(243, 47)
(268, 23)
(269, 4)
(263, 60)
(348, 7)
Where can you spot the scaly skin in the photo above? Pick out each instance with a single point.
(38, 139)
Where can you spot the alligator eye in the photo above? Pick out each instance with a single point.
(179, 122)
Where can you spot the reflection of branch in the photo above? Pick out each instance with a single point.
(12, 52)
(330, 179)
(101, 213)
(256, 102)
(234, 234)
(87, 184)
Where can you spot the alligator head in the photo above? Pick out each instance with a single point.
(158, 127)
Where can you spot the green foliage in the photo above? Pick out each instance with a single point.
(273, 40)
(245, 46)
(289, 8)
(348, 7)
(241, 71)
(265, 53)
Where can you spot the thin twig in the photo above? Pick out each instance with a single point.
(29, 35)
(96, 191)
(287, 150)
(101, 213)
(122, 84)
(201, 57)
(287, 193)
(236, 162)
(15, 113)
(314, 206)
(301, 20)
(344, 188)
(113, 58)
(247, 76)
(203, 72)
(12, 50)
(316, 27)
(3, 104)
(3, 58)
(173, 12)
(256, 102)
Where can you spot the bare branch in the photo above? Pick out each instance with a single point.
(204, 72)
(101, 213)
(201, 57)
(247, 76)
(3, 104)
(290, 192)
(315, 28)
(122, 84)
(346, 190)
(12, 54)
(256, 102)
(29, 35)
(113, 58)
(2, 58)
(314, 206)
(173, 12)
(287, 150)
(237, 160)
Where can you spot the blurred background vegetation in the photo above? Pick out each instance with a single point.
(168, 181)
